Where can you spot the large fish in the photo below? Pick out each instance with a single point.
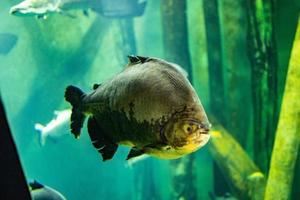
(150, 106)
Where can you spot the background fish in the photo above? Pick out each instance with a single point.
(150, 106)
(41, 8)
(56, 128)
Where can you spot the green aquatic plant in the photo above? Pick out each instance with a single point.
(245, 178)
(287, 138)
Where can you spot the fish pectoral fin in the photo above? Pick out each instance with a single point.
(134, 152)
(149, 149)
(41, 16)
(100, 141)
(96, 85)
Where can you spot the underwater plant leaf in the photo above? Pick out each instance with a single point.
(287, 138)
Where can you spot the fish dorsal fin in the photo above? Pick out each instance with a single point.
(136, 59)
(35, 185)
(142, 59)
(134, 152)
(133, 59)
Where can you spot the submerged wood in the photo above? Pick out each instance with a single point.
(215, 60)
(236, 70)
(175, 33)
(128, 41)
(216, 78)
(287, 138)
(244, 177)
(263, 58)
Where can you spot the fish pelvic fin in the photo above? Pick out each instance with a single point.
(42, 137)
(134, 152)
(74, 96)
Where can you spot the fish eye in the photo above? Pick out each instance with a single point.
(189, 128)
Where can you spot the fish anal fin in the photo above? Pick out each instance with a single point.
(104, 145)
(108, 151)
(134, 152)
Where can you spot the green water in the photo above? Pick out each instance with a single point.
(58, 51)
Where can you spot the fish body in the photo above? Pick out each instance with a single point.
(42, 192)
(41, 8)
(56, 128)
(150, 107)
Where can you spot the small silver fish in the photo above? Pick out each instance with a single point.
(56, 128)
(41, 8)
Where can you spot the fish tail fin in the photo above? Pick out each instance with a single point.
(42, 136)
(74, 96)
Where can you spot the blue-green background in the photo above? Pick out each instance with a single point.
(53, 53)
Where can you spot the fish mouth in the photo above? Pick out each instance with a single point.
(198, 136)
(203, 127)
(199, 139)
